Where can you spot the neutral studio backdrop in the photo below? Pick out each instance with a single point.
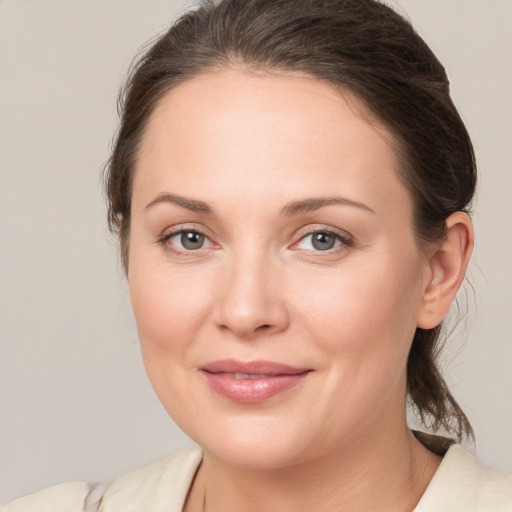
(74, 399)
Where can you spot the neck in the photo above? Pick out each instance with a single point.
(380, 473)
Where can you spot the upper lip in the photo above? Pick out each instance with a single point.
(259, 367)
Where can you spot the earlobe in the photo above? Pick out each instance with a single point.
(447, 265)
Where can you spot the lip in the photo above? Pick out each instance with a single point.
(254, 382)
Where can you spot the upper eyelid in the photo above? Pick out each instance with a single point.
(174, 230)
(319, 228)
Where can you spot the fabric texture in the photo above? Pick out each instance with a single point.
(95, 497)
(68, 497)
(461, 484)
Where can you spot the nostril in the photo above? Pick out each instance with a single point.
(263, 327)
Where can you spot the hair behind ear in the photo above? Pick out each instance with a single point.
(431, 399)
(428, 391)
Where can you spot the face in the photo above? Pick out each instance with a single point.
(274, 273)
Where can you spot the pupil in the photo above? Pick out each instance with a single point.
(323, 241)
(192, 240)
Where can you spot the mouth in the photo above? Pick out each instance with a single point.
(252, 382)
(240, 376)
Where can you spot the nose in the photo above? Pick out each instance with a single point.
(251, 300)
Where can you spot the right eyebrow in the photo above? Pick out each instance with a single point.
(190, 204)
(315, 203)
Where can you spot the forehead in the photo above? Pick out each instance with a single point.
(236, 132)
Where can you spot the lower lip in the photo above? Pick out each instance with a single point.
(251, 391)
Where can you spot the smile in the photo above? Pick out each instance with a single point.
(251, 382)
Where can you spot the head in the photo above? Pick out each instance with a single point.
(381, 71)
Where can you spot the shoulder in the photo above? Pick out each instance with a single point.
(463, 484)
(69, 497)
(164, 483)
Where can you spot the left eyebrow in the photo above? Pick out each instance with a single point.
(315, 203)
(190, 204)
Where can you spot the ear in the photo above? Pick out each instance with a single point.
(118, 221)
(447, 264)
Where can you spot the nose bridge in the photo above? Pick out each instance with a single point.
(251, 302)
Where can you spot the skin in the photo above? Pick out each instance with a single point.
(249, 144)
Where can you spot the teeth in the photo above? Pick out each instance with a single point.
(239, 376)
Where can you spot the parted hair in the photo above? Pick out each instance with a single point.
(361, 46)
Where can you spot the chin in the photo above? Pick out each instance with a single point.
(257, 443)
(252, 454)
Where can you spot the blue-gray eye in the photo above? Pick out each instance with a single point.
(191, 240)
(323, 241)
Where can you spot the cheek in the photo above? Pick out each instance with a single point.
(169, 306)
(169, 309)
(366, 315)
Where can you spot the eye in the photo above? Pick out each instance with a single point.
(186, 240)
(322, 241)
(190, 240)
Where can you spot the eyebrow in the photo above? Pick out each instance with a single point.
(290, 209)
(315, 203)
(190, 204)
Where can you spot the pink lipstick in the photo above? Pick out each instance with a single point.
(253, 381)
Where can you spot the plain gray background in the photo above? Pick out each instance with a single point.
(74, 399)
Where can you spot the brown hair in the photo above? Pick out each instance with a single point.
(359, 45)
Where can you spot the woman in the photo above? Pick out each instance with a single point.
(290, 184)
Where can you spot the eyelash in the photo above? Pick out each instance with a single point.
(164, 239)
(345, 241)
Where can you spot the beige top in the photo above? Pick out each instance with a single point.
(460, 484)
